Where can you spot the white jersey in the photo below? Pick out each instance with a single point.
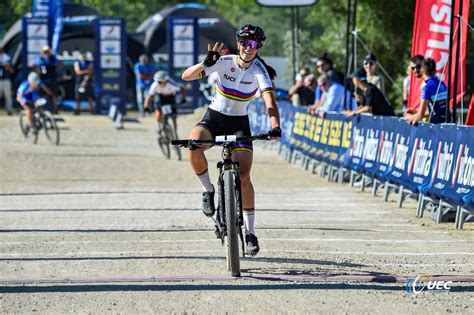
(167, 90)
(236, 87)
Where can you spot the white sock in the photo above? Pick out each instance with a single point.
(249, 220)
(206, 181)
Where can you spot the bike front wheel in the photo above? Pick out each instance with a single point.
(231, 221)
(50, 128)
(26, 129)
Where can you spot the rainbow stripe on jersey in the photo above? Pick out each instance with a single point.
(234, 94)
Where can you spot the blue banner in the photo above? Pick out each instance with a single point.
(461, 189)
(183, 51)
(109, 64)
(35, 35)
(57, 19)
(54, 10)
(437, 160)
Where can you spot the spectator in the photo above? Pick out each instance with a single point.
(370, 99)
(83, 88)
(415, 65)
(333, 97)
(144, 71)
(302, 74)
(6, 71)
(370, 67)
(406, 89)
(324, 65)
(434, 96)
(47, 66)
(302, 93)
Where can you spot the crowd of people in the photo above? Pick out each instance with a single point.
(327, 90)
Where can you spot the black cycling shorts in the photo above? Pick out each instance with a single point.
(218, 124)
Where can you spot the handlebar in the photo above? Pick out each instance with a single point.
(220, 140)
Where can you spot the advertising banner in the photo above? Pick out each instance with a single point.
(431, 37)
(109, 64)
(461, 190)
(437, 160)
(183, 51)
(36, 34)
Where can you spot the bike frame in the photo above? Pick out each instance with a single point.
(227, 164)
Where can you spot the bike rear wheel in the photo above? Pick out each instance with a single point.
(25, 128)
(50, 128)
(231, 221)
(164, 140)
(176, 148)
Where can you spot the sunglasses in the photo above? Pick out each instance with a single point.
(319, 65)
(162, 82)
(368, 63)
(417, 67)
(246, 42)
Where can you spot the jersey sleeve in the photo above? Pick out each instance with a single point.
(152, 90)
(21, 89)
(220, 63)
(425, 92)
(174, 88)
(263, 79)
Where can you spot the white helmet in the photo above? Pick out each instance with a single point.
(33, 77)
(161, 76)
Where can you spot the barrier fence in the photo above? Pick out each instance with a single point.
(432, 163)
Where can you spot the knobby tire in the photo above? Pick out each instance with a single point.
(231, 224)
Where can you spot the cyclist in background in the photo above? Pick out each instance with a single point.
(166, 91)
(28, 93)
(239, 78)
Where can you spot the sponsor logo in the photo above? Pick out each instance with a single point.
(464, 172)
(371, 145)
(227, 77)
(418, 284)
(358, 144)
(262, 69)
(420, 163)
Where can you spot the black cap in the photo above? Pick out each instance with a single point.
(370, 57)
(360, 74)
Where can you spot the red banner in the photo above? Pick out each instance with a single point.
(431, 33)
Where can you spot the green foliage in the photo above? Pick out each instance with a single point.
(385, 26)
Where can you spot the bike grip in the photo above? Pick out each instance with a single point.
(179, 142)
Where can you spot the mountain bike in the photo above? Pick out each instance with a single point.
(42, 120)
(168, 133)
(229, 215)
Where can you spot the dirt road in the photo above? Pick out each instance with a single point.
(104, 224)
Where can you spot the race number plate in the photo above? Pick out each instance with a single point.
(225, 139)
(166, 109)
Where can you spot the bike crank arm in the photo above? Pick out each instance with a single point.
(220, 232)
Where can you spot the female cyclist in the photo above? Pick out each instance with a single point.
(166, 91)
(239, 77)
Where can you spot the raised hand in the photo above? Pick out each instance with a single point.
(212, 54)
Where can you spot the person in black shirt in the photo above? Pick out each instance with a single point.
(371, 100)
(47, 65)
(302, 93)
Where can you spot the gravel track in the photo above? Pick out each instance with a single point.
(104, 224)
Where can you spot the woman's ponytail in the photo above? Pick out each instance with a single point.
(271, 72)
